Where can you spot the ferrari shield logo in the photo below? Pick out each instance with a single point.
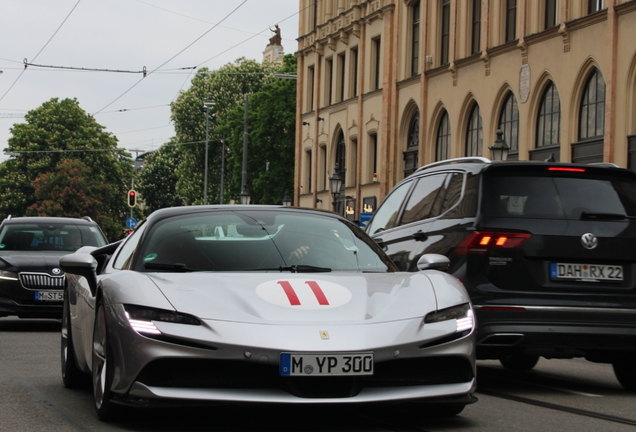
(324, 335)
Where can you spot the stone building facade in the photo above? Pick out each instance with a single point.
(387, 86)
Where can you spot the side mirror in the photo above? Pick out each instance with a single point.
(81, 264)
(433, 262)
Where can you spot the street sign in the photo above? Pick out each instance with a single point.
(364, 219)
(131, 223)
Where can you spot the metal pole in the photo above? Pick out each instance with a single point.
(221, 198)
(205, 175)
(244, 173)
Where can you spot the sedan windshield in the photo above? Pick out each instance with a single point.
(259, 240)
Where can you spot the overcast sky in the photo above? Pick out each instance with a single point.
(163, 36)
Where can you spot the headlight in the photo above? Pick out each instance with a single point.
(141, 318)
(7, 275)
(462, 314)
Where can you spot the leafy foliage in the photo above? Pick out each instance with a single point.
(227, 87)
(158, 178)
(59, 139)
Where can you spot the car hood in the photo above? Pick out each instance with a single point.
(299, 298)
(33, 260)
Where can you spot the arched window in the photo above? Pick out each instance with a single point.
(549, 120)
(442, 145)
(509, 123)
(412, 145)
(592, 113)
(474, 133)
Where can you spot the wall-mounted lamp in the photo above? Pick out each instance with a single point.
(287, 201)
(318, 200)
(499, 149)
(305, 123)
(320, 118)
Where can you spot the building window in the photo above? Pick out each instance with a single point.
(310, 87)
(373, 156)
(474, 133)
(322, 169)
(353, 162)
(445, 36)
(328, 80)
(442, 146)
(308, 171)
(412, 145)
(475, 41)
(511, 20)
(549, 121)
(340, 85)
(377, 61)
(592, 114)
(341, 156)
(353, 79)
(415, 39)
(551, 8)
(594, 5)
(509, 123)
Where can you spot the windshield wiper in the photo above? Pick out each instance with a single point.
(605, 216)
(293, 269)
(179, 267)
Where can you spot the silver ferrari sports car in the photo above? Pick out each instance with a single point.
(262, 304)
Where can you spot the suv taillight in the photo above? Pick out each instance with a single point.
(484, 241)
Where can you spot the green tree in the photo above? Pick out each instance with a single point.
(158, 178)
(53, 133)
(227, 87)
(271, 135)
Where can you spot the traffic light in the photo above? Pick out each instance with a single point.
(132, 198)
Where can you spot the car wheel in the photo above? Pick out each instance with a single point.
(72, 375)
(625, 371)
(519, 362)
(103, 369)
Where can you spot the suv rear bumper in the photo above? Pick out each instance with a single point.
(598, 334)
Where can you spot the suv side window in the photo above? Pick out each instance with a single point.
(464, 188)
(387, 215)
(425, 194)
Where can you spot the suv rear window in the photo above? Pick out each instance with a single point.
(558, 196)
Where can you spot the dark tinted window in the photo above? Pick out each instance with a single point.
(537, 195)
(420, 203)
(386, 216)
(467, 205)
(49, 236)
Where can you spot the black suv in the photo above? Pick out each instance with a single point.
(547, 252)
(31, 282)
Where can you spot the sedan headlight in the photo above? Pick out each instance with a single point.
(462, 314)
(7, 275)
(141, 318)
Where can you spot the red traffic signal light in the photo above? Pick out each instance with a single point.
(132, 198)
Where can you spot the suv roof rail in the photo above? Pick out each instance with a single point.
(468, 159)
(604, 164)
(88, 218)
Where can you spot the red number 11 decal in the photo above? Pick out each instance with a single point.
(293, 298)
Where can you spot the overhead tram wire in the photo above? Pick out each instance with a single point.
(42, 49)
(174, 56)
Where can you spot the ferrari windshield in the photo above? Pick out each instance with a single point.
(259, 240)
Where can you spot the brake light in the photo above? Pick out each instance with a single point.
(483, 241)
(566, 169)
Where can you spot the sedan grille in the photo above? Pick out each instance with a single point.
(234, 374)
(41, 281)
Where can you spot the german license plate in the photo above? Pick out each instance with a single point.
(49, 295)
(312, 364)
(586, 272)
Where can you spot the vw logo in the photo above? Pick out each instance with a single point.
(589, 241)
(56, 271)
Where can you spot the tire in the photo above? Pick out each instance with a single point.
(519, 362)
(103, 369)
(625, 371)
(72, 375)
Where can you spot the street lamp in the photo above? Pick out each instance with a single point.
(245, 196)
(207, 105)
(335, 183)
(499, 149)
(287, 201)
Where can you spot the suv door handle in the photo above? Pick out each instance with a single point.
(420, 236)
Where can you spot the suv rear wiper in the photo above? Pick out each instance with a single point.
(605, 216)
(179, 267)
(293, 268)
